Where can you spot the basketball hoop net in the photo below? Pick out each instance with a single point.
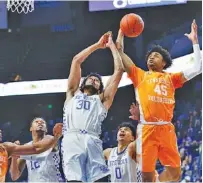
(21, 6)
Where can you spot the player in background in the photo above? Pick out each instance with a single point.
(8, 149)
(85, 109)
(155, 90)
(42, 167)
(122, 159)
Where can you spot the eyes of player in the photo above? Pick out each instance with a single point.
(125, 129)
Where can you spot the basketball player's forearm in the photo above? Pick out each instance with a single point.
(197, 65)
(117, 59)
(14, 169)
(120, 41)
(44, 145)
(126, 61)
(80, 57)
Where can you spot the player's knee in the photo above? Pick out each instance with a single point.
(175, 174)
(147, 176)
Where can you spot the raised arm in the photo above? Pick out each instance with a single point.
(181, 77)
(75, 71)
(197, 66)
(112, 85)
(126, 60)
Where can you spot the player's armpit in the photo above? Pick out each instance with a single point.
(178, 79)
(107, 153)
(132, 150)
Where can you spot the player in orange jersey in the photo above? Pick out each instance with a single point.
(155, 89)
(8, 149)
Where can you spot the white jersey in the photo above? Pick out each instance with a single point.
(122, 166)
(43, 167)
(84, 112)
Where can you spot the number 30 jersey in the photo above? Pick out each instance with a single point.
(84, 112)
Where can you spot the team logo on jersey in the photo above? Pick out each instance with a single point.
(104, 168)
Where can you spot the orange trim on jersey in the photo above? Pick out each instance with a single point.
(155, 93)
(3, 163)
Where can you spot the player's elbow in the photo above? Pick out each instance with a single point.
(77, 59)
(14, 175)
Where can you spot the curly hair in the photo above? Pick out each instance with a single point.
(164, 53)
(101, 88)
(129, 125)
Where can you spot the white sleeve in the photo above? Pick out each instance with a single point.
(197, 67)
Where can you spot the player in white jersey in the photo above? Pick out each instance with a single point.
(122, 159)
(84, 110)
(43, 167)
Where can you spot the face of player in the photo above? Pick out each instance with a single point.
(155, 62)
(93, 83)
(125, 135)
(39, 125)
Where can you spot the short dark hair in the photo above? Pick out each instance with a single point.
(37, 118)
(164, 53)
(129, 125)
(101, 88)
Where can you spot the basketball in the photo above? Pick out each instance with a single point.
(132, 25)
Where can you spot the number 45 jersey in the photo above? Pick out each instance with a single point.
(84, 112)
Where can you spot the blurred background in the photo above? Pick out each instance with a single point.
(40, 45)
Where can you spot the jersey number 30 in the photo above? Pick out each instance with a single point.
(83, 104)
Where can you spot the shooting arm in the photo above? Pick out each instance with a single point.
(112, 84)
(75, 71)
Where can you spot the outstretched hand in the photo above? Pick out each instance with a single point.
(110, 40)
(193, 34)
(104, 40)
(57, 130)
(134, 111)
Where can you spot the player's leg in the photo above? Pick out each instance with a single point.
(96, 168)
(169, 155)
(147, 151)
(73, 157)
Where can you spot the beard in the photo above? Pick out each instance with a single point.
(92, 90)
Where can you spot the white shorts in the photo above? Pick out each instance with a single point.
(83, 158)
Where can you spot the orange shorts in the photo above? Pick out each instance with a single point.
(157, 142)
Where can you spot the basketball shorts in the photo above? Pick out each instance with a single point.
(157, 142)
(83, 158)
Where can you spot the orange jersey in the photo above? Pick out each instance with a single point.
(3, 163)
(155, 94)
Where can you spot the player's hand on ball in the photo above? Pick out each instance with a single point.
(57, 130)
(104, 40)
(193, 34)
